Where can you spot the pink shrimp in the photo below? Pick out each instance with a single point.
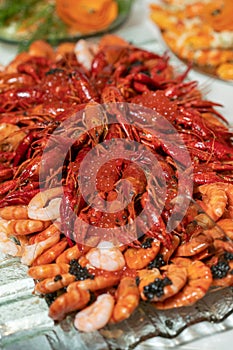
(96, 315)
(199, 279)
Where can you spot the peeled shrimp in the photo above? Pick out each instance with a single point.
(48, 270)
(41, 48)
(69, 254)
(52, 253)
(68, 302)
(85, 52)
(48, 232)
(128, 297)
(227, 226)
(55, 283)
(196, 245)
(99, 282)
(199, 279)
(214, 199)
(14, 212)
(96, 315)
(138, 258)
(64, 48)
(7, 246)
(106, 257)
(37, 208)
(25, 227)
(167, 252)
(31, 252)
(223, 245)
(229, 192)
(166, 285)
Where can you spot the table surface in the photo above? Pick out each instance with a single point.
(141, 31)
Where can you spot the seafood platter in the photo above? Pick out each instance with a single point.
(116, 195)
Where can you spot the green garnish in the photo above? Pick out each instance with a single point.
(24, 21)
(17, 10)
(32, 20)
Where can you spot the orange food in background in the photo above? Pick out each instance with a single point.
(87, 16)
(112, 39)
(200, 33)
(219, 14)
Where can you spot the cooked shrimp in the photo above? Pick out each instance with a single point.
(127, 299)
(68, 302)
(203, 219)
(222, 274)
(42, 49)
(197, 244)
(55, 283)
(198, 282)
(15, 212)
(215, 233)
(223, 245)
(96, 315)
(3, 225)
(37, 208)
(203, 254)
(227, 226)
(47, 271)
(69, 254)
(106, 257)
(31, 252)
(85, 52)
(166, 252)
(138, 258)
(7, 246)
(48, 232)
(23, 240)
(64, 48)
(112, 39)
(25, 227)
(99, 282)
(214, 198)
(155, 286)
(229, 193)
(52, 253)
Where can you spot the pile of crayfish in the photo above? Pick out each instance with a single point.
(52, 228)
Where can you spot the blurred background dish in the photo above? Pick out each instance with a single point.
(199, 32)
(22, 22)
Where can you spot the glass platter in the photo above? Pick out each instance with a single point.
(24, 321)
(8, 33)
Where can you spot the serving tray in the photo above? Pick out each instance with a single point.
(24, 321)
